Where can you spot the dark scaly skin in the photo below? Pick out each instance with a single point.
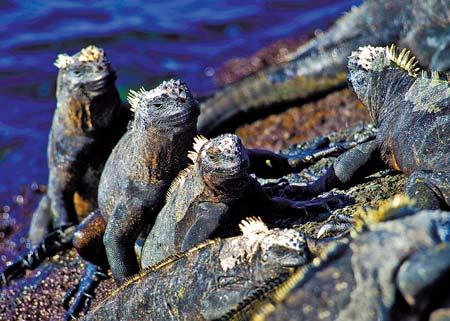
(412, 112)
(206, 281)
(89, 238)
(212, 194)
(320, 65)
(137, 175)
(378, 276)
(87, 123)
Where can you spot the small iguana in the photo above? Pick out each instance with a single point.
(320, 65)
(208, 279)
(211, 196)
(412, 112)
(86, 125)
(393, 270)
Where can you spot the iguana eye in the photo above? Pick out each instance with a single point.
(157, 105)
(213, 154)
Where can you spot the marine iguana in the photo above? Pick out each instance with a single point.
(208, 279)
(210, 195)
(206, 200)
(320, 65)
(379, 275)
(137, 175)
(87, 123)
(412, 112)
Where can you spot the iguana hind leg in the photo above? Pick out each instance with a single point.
(56, 241)
(83, 292)
(88, 239)
(41, 223)
(430, 190)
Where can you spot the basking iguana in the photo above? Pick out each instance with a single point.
(137, 175)
(87, 123)
(320, 65)
(208, 279)
(210, 195)
(207, 199)
(393, 270)
(412, 112)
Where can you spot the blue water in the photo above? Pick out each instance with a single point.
(145, 41)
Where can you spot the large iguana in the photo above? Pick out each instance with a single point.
(320, 65)
(392, 270)
(412, 111)
(210, 195)
(137, 175)
(210, 278)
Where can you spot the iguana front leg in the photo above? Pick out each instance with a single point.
(124, 226)
(61, 196)
(206, 222)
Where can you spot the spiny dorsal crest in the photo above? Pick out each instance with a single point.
(199, 141)
(243, 249)
(252, 226)
(387, 210)
(172, 88)
(134, 97)
(63, 61)
(403, 60)
(364, 57)
(91, 54)
(178, 180)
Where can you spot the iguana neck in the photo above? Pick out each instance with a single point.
(393, 83)
(163, 146)
(86, 116)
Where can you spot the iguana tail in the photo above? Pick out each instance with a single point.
(317, 67)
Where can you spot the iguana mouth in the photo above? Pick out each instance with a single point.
(179, 119)
(102, 82)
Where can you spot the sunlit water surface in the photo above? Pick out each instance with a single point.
(146, 43)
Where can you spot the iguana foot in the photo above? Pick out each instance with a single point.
(83, 292)
(322, 148)
(56, 241)
(338, 224)
(324, 203)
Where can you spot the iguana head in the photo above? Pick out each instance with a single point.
(85, 88)
(223, 162)
(88, 71)
(378, 74)
(270, 251)
(168, 106)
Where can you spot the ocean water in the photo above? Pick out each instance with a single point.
(146, 41)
